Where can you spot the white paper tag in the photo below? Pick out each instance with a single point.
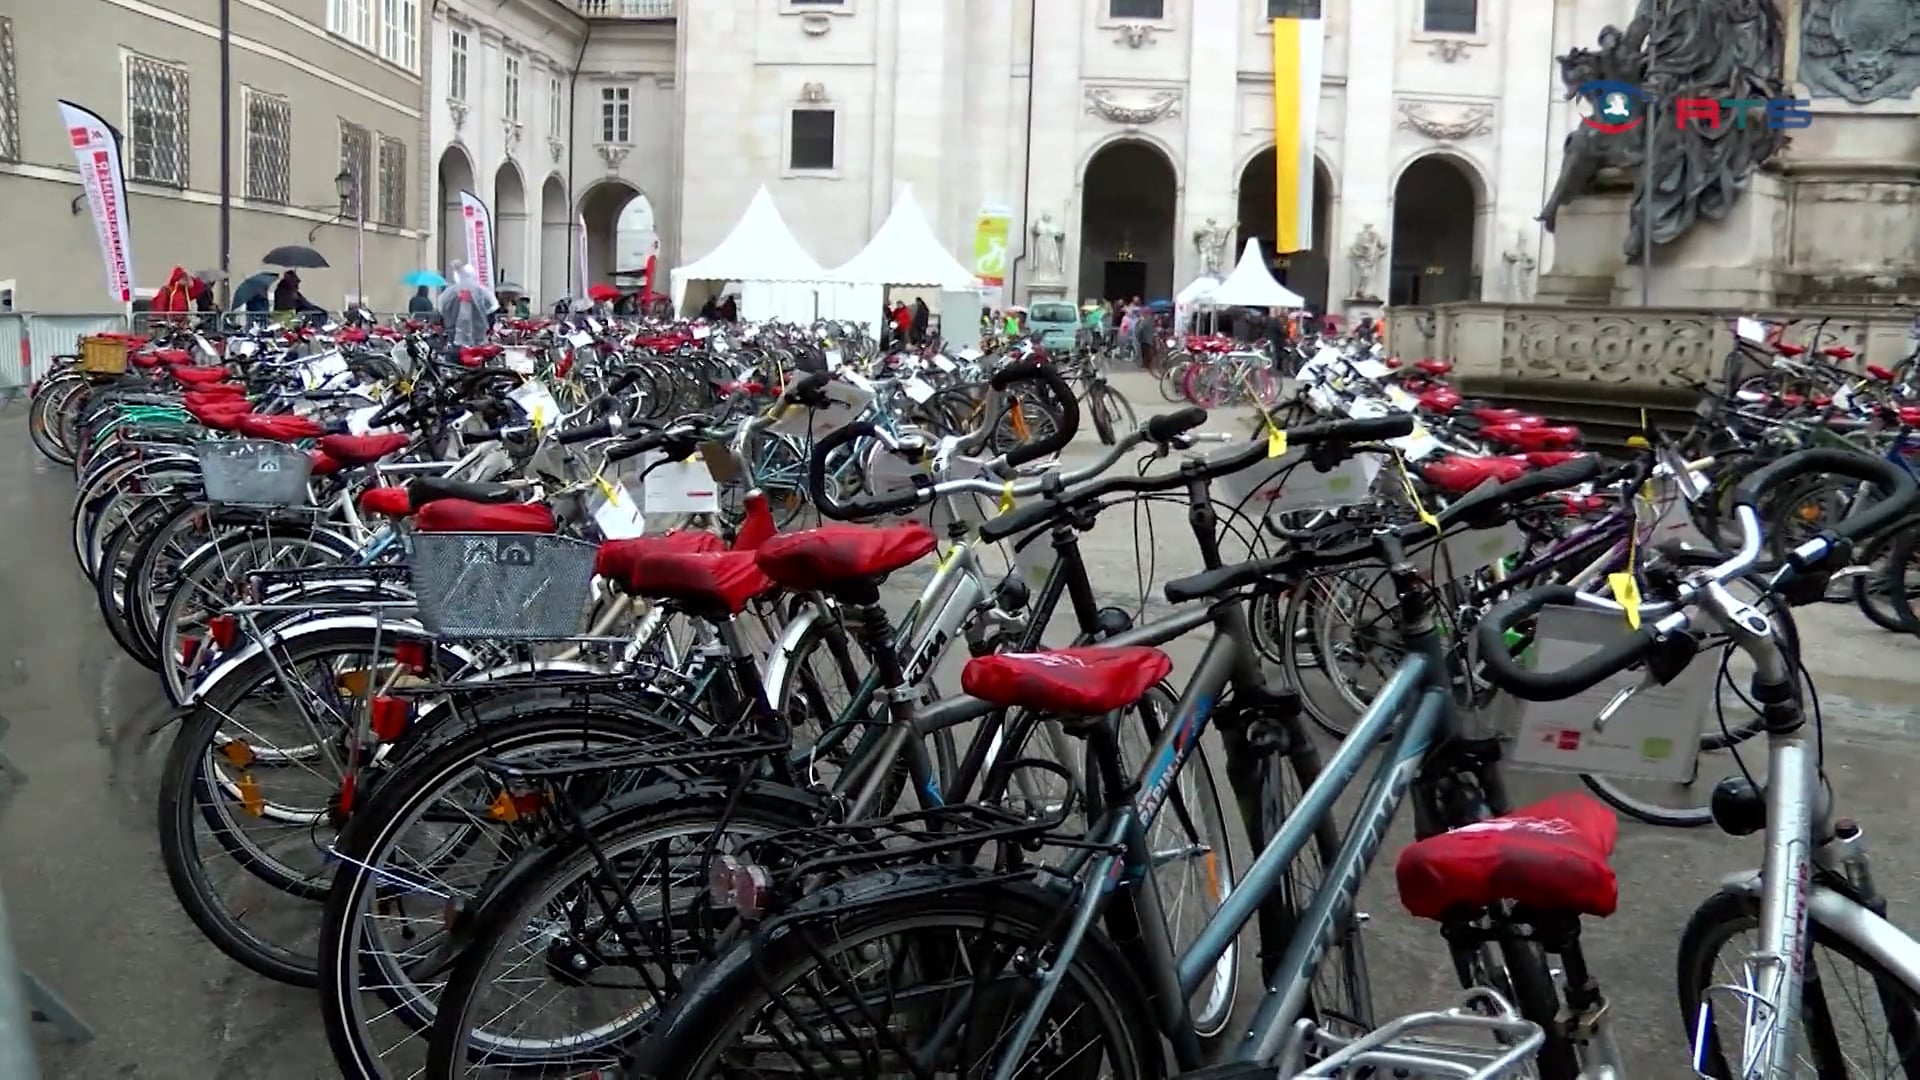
(1420, 444)
(1401, 400)
(580, 339)
(1371, 369)
(618, 516)
(918, 389)
(519, 361)
(318, 372)
(973, 353)
(359, 420)
(833, 359)
(942, 363)
(680, 487)
(700, 333)
(1751, 330)
(242, 347)
(1035, 562)
(1259, 491)
(206, 347)
(1654, 734)
(857, 381)
(537, 401)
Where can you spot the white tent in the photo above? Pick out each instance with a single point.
(1199, 292)
(1250, 285)
(905, 252)
(776, 277)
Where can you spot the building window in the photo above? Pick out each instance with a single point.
(616, 114)
(1293, 9)
(393, 182)
(554, 121)
(1137, 9)
(269, 146)
(1453, 16)
(399, 34)
(157, 121)
(351, 19)
(811, 147)
(356, 158)
(9, 96)
(457, 65)
(513, 89)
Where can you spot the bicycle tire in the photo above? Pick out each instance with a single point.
(1872, 590)
(1122, 418)
(1900, 552)
(701, 1023)
(1097, 410)
(1727, 913)
(43, 416)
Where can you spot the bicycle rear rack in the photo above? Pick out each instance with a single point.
(1483, 1038)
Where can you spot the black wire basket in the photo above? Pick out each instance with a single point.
(501, 585)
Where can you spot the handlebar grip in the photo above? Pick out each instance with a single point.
(599, 429)
(1507, 673)
(1567, 474)
(1170, 426)
(1062, 394)
(807, 388)
(390, 412)
(1897, 489)
(1362, 429)
(1018, 520)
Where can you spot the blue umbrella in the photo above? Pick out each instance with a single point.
(426, 278)
(257, 285)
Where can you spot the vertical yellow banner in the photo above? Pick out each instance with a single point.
(990, 231)
(1297, 56)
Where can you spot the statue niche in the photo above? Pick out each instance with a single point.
(1719, 49)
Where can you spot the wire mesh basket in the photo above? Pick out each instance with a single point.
(254, 472)
(501, 585)
(103, 356)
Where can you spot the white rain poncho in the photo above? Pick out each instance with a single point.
(465, 305)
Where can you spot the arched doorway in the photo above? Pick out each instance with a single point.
(1305, 272)
(633, 235)
(601, 208)
(1436, 233)
(1128, 203)
(556, 233)
(510, 226)
(456, 176)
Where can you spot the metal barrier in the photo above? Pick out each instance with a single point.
(37, 338)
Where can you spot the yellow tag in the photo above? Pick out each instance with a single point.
(1276, 442)
(1413, 497)
(606, 489)
(251, 800)
(1627, 591)
(946, 559)
(1638, 442)
(1006, 497)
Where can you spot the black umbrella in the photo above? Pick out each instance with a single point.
(296, 256)
(255, 286)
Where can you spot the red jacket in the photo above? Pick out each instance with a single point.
(178, 293)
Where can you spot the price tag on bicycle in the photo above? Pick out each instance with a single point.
(618, 516)
(537, 401)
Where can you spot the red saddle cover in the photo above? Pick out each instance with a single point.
(1084, 681)
(1459, 475)
(833, 555)
(1552, 855)
(722, 580)
(357, 450)
(459, 515)
(619, 560)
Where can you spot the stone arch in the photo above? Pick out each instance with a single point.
(1130, 189)
(556, 247)
(454, 175)
(510, 225)
(1305, 272)
(600, 207)
(1437, 242)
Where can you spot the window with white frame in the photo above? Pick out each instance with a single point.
(457, 64)
(269, 146)
(157, 121)
(810, 143)
(616, 114)
(356, 159)
(513, 89)
(1452, 17)
(1137, 9)
(1293, 9)
(399, 40)
(351, 19)
(393, 182)
(554, 122)
(9, 96)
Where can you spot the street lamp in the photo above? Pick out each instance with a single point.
(348, 186)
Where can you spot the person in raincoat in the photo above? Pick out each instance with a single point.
(466, 305)
(177, 296)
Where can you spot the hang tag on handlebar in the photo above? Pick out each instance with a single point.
(1751, 330)
(918, 389)
(1276, 441)
(1626, 589)
(618, 515)
(580, 339)
(1650, 730)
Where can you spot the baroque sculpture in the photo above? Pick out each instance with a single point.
(1211, 240)
(1365, 256)
(1049, 247)
(1520, 263)
(1719, 49)
(1860, 50)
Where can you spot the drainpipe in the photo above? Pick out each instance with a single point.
(574, 288)
(1026, 169)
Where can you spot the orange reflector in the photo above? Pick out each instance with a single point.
(251, 800)
(346, 793)
(237, 752)
(510, 807)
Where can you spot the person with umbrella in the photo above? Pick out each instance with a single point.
(288, 300)
(420, 304)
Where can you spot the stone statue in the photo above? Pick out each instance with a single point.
(1520, 263)
(1365, 255)
(1049, 247)
(1211, 240)
(1860, 50)
(1719, 49)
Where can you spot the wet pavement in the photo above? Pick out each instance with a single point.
(92, 914)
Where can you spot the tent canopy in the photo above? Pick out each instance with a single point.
(906, 252)
(759, 249)
(1199, 292)
(1251, 285)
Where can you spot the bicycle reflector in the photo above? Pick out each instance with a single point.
(224, 630)
(742, 887)
(389, 717)
(411, 655)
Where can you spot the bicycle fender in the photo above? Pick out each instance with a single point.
(294, 631)
(780, 660)
(1847, 918)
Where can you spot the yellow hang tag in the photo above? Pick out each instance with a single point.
(1627, 591)
(1413, 496)
(1276, 442)
(946, 559)
(1006, 497)
(251, 800)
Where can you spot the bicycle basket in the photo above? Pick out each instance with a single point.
(103, 356)
(254, 472)
(501, 585)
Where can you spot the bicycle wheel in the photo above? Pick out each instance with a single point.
(1102, 420)
(43, 417)
(757, 1010)
(1120, 415)
(1837, 975)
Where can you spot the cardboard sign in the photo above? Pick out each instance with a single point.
(680, 487)
(1277, 485)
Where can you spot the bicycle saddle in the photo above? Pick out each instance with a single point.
(430, 489)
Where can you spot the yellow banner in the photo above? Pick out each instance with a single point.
(1297, 56)
(990, 232)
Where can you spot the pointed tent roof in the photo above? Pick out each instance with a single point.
(760, 248)
(1251, 285)
(906, 252)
